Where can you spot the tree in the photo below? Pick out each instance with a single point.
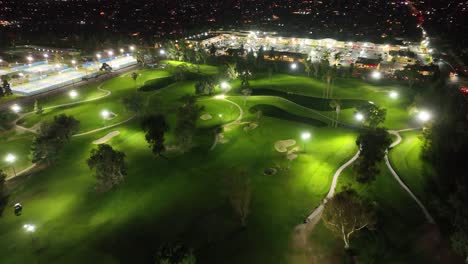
(180, 72)
(178, 254)
(231, 71)
(186, 117)
(134, 102)
(246, 92)
(51, 138)
(336, 105)
(346, 213)
(373, 145)
(109, 167)
(135, 77)
(37, 107)
(3, 192)
(239, 193)
(6, 85)
(213, 50)
(374, 115)
(307, 66)
(155, 126)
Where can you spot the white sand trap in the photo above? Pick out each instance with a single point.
(291, 156)
(222, 139)
(106, 138)
(206, 117)
(283, 145)
(293, 150)
(250, 126)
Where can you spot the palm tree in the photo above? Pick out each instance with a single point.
(336, 105)
(307, 66)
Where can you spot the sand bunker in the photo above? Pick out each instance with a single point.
(250, 126)
(283, 145)
(206, 117)
(291, 156)
(106, 138)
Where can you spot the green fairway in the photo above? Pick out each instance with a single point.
(183, 199)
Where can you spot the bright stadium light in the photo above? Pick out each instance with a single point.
(110, 53)
(73, 62)
(424, 116)
(132, 48)
(73, 94)
(98, 56)
(305, 135)
(393, 95)
(29, 228)
(224, 85)
(30, 59)
(105, 114)
(376, 75)
(16, 108)
(294, 66)
(46, 56)
(359, 117)
(10, 158)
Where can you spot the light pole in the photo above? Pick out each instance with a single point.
(30, 229)
(393, 95)
(359, 117)
(16, 108)
(424, 116)
(73, 94)
(305, 137)
(30, 59)
(10, 158)
(105, 115)
(46, 56)
(376, 75)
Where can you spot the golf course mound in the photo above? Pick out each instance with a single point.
(283, 145)
(205, 117)
(106, 138)
(276, 112)
(156, 84)
(320, 104)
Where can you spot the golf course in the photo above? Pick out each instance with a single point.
(182, 198)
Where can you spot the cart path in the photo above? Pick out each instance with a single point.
(236, 121)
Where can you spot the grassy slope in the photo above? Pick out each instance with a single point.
(182, 200)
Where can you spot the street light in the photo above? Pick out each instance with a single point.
(424, 116)
(294, 66)
(110, 53)
(29, 228)
(162, 51)
(376, 75)
(224, 85)
(122, 50)
(359, 117)
(98, 56)
(73, 94)
(10, 158)
(105, 114)
(16, 108)
(132, 48)
(393, 95)
(30, 59)
(305, 136)
(46, 56)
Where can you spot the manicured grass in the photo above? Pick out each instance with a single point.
(408, 163)
(184, 198)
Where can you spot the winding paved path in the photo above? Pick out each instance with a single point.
(428, 216)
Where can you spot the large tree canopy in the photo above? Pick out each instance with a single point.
(108, 165)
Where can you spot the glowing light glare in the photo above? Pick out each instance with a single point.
(294, 66)
(57, 65)
(376, 75)
(350, 43)
(122, 50)
(73, 94)
(10, 158)
(393, 95)
(29, 228)
(105, 114)
(305, 135)
(46, 55)
(424, 116)
(220, 96)
(359, 117)
(29, 58)
(224, 85)
(16, 108)
(162, 51)
(132, 48)
(73, 62)
(98, 56)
